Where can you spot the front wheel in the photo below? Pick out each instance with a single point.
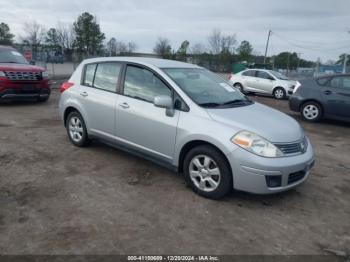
(207, 172)
(311, 111)
(76, 129)
(279, 93)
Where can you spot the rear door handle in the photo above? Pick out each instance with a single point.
(124, 105)
(327, 92)
(84, 94)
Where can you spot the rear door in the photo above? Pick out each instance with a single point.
(249, 79)
(99, 97)
(336, 94)
(264, 82)
(140, 124)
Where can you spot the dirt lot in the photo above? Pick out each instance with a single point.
(59, 199)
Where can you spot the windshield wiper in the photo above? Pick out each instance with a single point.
(237, 101)
(210, 104)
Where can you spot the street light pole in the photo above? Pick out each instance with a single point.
(345, 60)
(267, 45)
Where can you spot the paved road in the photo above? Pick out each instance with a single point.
(59, 199)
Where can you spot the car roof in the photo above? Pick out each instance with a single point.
(332, 75)
(157, 62)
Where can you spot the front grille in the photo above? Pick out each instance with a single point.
(293, 148)
(294, 177)
(23, 76)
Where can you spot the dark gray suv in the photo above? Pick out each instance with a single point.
(324, 97)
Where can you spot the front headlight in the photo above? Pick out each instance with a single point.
(255, 144)
(45, 74)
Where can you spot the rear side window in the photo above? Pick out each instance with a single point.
(249, 73)
(102, 76)
(264, 75)
(89, 75)
(340, 82)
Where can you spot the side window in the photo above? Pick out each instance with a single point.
(336, 82)
(346, 82)
(142, 84)
(264, 75)
(249, 73)
(89, 74)
(106, 76)
(322, 81)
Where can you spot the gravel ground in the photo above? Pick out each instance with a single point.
(59, 199)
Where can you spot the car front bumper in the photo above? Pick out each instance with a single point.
(252, 173)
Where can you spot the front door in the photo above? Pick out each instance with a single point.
(264, 82)
(140, 124)
(337, 96)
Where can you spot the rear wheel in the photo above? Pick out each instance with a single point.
(239, 87)
(279, 93)
(311, 111)
(76, 129)
(207, 172)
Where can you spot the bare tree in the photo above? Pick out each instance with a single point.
(132, 47)
(112, 46)
(219, 42)
(197, 49)
(214, 41)
(35, 34)
(162, 47)
(66, 35)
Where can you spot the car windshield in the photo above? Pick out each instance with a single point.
(279, 75)
(11, 56)
(206, 88)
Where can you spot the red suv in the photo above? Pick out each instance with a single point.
(21, 80)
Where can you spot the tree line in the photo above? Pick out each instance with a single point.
(84, 36)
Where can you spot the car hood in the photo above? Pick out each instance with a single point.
(20, 67)
(269, 123)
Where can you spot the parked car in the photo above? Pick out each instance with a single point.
(19, 79)
(185, 117)
(263, 81)
(324, 97)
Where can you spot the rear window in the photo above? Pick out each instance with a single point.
(322, 81)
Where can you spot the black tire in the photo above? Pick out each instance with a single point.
(311, 111)
(239, 87)
(279, 93)
(84, 141)
(43, 100)
(225, 184)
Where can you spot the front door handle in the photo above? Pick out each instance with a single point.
(124, 105)
(327, 92)
(84, 94)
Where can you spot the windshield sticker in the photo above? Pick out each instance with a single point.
(15, 53)
(227, 87)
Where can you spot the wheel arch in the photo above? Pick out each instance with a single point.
(314, 101)
(194, 143)
(67, 111)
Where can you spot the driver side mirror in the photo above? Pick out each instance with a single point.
(166, 102)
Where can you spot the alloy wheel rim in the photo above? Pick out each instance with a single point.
(279, 93)
(310, 112)
(76, 129)
(239, 87)
(204, 173)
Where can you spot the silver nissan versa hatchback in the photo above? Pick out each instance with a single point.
(186, 117)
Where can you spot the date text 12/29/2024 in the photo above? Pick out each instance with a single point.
(173, 258)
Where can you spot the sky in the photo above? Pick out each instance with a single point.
(313, 28)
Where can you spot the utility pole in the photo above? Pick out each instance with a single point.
(299, 57)
(345, 62)
(267, 45)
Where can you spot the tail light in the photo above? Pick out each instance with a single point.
(230, 76)
(297, 86)
(65, 86)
